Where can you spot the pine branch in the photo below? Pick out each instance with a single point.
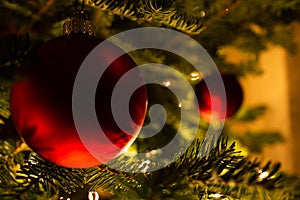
(223, 172)
(155, 11)
(255, 141)
(4, 100)
(250, 114)
(13, 49)
(12, 156)
(222, 13)
(177, 15)
(24, 175)
(102, 176)
(42, 10)
(224, 168)
(39, 175)
(224, 162)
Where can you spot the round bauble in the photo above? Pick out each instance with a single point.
(234, 98)
(41, 104)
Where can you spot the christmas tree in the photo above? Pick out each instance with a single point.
(211, 161)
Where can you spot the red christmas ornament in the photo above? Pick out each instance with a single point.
(41, 105)
(234, 98)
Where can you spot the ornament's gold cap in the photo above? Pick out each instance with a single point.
(79, 22)
(76, 25)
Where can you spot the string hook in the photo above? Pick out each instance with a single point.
(77, 4)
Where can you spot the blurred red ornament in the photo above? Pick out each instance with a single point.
(234, 98)
(41, 104)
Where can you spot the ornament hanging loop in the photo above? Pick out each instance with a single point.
(79, 12)
(76, 5)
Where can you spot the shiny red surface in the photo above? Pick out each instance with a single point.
(234, 98)
(41, 104)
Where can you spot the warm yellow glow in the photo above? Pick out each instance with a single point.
(264, 175)
(217, 195)
(167, 83)
(195, 76)
(93, 195)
